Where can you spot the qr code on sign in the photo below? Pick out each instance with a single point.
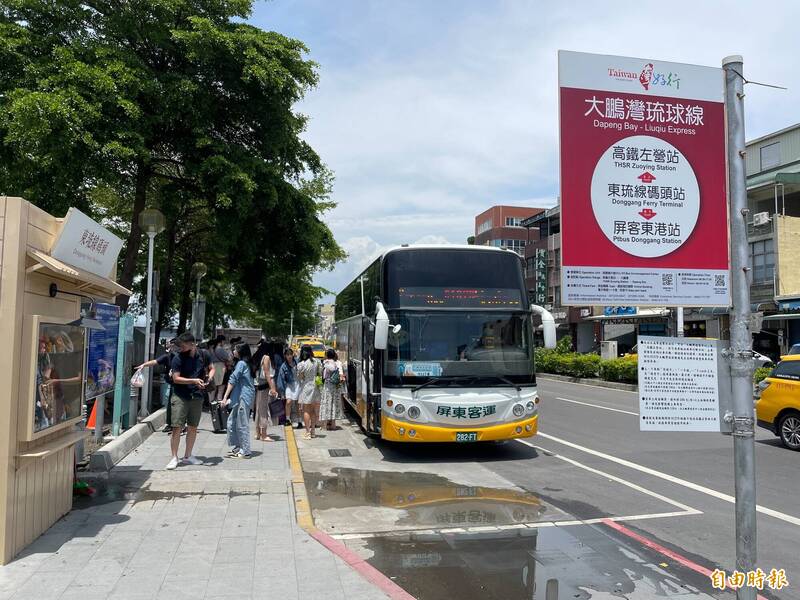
(667, 279)
(719, 280)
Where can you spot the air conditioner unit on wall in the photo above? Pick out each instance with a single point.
(761, 218)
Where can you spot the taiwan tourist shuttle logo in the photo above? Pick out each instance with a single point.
(646, 75)
(648, 78)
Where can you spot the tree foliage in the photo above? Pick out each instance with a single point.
(117, 106)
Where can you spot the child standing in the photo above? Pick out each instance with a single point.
(239, 397)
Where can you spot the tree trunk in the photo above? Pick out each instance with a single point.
(186, 290)
(134, 243)
(165, 287)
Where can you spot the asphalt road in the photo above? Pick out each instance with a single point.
(606, 421)
(653, 510)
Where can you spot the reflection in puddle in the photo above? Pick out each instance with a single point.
(420, 500)
(440, 540)
(586, 561)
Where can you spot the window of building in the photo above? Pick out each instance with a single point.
(517, 246)
(485, 226)
(498, 243)
(530, 267)
(770, 156)
(513, 221)
(762, 260)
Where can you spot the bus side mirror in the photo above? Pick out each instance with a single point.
(548, 326)
(381, 327)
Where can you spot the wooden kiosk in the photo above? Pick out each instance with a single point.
(42, 358)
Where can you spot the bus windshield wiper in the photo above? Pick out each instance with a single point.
(449, 378)
(442, 379)
(505, 380)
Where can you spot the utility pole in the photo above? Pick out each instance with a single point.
(679, 321)
(291, 326)
(740, 354)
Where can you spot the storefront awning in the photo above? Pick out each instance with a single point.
(788, 175)
(83, 280)
(645, 313)
(782, 316)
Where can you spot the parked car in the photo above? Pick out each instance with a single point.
(795, 349)
(762, 360)
(778, 402)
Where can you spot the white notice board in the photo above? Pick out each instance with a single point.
(678, 384)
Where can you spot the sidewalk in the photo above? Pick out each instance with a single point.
(224, 529)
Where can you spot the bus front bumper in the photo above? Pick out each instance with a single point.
(390, 431)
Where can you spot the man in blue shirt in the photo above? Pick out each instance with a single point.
(192, 372)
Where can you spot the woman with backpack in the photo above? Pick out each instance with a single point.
(330, 408)
(309, 375)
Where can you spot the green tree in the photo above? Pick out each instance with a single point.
(178, 104)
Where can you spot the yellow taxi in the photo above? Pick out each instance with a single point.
(778, 401)
(317, 347)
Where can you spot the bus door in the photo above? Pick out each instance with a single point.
(372, 419)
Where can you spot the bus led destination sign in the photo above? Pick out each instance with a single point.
(643, 199)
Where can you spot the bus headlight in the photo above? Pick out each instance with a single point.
(518, 410)
(413, 412)
(399, 409)
(530, 406)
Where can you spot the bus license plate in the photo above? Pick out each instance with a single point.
(463, 436)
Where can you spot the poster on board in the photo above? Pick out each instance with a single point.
(644, 218)
(102, 352)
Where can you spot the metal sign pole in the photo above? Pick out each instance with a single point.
(741, 353)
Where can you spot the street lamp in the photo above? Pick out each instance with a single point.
(152, 222)
(199, 271)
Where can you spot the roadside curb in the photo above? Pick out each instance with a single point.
(614, 385)
(306, 521)
(106, 457)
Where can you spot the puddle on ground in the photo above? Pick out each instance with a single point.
(587, 562)
(353, 500)
(106, 492)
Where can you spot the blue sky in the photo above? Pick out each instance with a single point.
(431, 111)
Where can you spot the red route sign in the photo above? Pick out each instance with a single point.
(644, 216)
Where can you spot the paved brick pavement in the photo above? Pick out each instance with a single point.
(224, 529)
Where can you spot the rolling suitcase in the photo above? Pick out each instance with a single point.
(219, 417)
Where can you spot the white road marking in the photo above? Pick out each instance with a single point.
(633, 486)
(490, 528)
(596, 387)
(619, 410)
(671, 478)
(685, 511)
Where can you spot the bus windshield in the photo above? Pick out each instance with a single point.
(483, 345)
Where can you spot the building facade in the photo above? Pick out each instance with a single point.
(324, 321)
(773, 228)
(543, 280)
(501, 226)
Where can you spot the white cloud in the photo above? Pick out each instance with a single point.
(428, 113)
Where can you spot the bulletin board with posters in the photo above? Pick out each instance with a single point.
(644, 216)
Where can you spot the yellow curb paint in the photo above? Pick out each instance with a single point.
(301, 506)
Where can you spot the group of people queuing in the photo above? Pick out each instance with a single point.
(274, 390)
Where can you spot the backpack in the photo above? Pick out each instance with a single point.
(334, 377)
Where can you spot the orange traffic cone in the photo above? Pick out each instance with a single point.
(91, 423)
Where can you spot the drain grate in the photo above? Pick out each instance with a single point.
(338, 452)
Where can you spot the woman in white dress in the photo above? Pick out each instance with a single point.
(308, 370)
(330, 408)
